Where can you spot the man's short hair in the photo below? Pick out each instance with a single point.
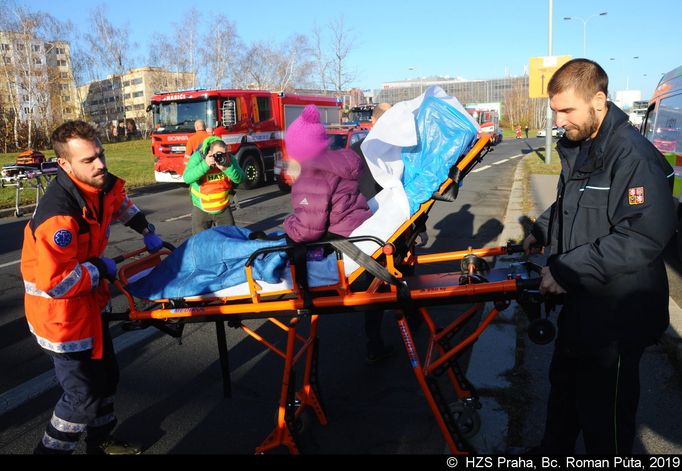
(378, 110)
(585, 77)
(71, 130)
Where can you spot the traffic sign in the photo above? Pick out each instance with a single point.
(540, 71)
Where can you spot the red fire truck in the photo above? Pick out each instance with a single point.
(489, 121)
(251, 122)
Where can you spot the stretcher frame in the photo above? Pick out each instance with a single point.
(22, 177)
(287, 309)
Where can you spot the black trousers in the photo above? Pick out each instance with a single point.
(596, 394)
(201, 220)
(87, 401)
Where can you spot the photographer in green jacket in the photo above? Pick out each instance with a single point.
(211, 173)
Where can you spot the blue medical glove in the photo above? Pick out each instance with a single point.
(153, 242)
(110, 266)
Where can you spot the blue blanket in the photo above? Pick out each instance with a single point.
(208, 262)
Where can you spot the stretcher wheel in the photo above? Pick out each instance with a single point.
(467, 418)
(541, 331)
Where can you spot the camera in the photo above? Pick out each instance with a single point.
(220, 158)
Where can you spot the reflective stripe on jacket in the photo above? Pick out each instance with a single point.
(64, 292)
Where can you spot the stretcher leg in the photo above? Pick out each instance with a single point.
(451, 437)
(293, 402)
(223, 354)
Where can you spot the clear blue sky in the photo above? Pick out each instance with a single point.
(472, 39)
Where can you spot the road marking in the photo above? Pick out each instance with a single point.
(10, 263)
(480, 169)
(515, 156)
(33, 388)
(177, 218)
(500, 161)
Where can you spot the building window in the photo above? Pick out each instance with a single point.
(64, 86)
(126, 83)
(66, 98)
(129, 108)
(138, 94)
(36, 48)
(20, 47)
(4, 47)
(136, 81)
(25, 97)
(126, 96)
(8, 60)
(61, 63)
(26, 110)
(138, 107)
(67, 110)
(63, 75)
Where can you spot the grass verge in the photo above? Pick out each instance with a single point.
(131, 160)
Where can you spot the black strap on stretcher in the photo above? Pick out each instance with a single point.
(372, 266)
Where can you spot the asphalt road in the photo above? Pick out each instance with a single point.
(170, 396)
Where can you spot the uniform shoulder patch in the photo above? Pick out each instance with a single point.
(62, 237)
(636, 195)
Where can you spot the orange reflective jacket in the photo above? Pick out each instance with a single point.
(64, 291)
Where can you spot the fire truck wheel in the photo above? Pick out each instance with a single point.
(253, 171)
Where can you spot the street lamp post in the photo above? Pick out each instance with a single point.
(625, 71)
(421, 86)
(604, 13)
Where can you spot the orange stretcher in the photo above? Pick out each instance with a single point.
(392, 287)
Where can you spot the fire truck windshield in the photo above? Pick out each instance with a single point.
(179, 116)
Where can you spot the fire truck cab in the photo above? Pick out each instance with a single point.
(251, 122)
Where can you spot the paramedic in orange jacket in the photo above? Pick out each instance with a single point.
(65, 276)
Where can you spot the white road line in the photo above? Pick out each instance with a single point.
(515, 156)
(480, 169)
(10, 263)
(500, 161)
(33, 388)
(177, 218)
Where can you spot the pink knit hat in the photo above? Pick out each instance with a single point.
(306, 137)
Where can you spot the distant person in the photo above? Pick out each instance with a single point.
(518, 132)
(195, 140)
(605, 233)
(209, 130)
(526, 131)
(211, 173)
(65, 276)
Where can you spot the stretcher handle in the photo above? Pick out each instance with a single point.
(288, 247)
(120, 258)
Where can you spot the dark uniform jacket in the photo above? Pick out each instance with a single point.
(606, 231)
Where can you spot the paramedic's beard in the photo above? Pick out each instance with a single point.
(98, 180)
(584, 131)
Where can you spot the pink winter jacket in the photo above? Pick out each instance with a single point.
(325, 197)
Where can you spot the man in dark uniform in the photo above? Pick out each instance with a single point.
(605, 234)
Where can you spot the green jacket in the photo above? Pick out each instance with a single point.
(209, 186)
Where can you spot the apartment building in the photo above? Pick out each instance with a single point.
(36, 79)
(122, 97)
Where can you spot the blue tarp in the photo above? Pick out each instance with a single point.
(208, 262)
(443, 134)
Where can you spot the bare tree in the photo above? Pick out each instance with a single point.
(275, 67)
(321, 61)
(27, 80)
(343, 43)
(218, 52)
(109, 50)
